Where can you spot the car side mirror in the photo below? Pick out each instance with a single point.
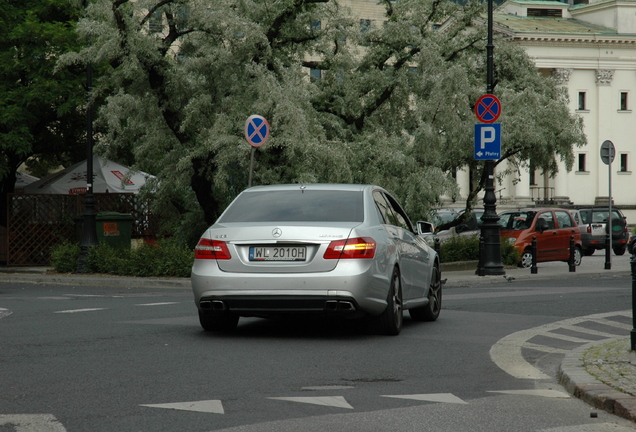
(425, 227)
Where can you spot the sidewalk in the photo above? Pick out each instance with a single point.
(602, 373)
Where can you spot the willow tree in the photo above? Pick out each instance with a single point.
(392, 105)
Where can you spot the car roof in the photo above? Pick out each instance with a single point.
(533, 209)
(312, 186)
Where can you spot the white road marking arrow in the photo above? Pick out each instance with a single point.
(209, 406)
(435, 397)
(334, 401)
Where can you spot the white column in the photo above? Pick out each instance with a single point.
(523, 197)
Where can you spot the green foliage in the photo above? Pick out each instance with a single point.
(64, 257)
(42, 119)
(509, 255)
(466, 248)
(460, 248)
(166, 258)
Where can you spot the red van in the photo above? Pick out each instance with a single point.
(553, 228)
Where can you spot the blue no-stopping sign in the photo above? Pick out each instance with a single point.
(256, 130)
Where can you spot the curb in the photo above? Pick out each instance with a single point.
(577, 381)
(98, 280)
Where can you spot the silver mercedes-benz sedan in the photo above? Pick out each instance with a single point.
(347, 250)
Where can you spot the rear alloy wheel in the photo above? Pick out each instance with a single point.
(390, 321)
(213, 322)
(526, 259)
(578, 256)
(431, 311)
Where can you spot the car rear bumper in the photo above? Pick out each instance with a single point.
(349, 289)
(598, 242)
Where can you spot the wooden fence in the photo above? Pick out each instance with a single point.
(38, 222)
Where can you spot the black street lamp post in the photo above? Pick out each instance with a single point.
(491, 260)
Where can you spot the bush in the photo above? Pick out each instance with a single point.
(64, 257)
(166, 258)
(466, 248)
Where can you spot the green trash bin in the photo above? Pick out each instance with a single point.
(114, 229)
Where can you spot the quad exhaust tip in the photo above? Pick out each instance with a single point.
(339, 306)
(215, 305)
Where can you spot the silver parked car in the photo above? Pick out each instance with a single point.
(348, 250)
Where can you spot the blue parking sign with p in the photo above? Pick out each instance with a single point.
(488, 141)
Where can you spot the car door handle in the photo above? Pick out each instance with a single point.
(554, 233)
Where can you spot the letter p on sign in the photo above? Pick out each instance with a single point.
(487, 136)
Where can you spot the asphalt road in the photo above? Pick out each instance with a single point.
(135, 359)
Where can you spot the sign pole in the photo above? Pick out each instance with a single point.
(607, 156)
(256, 133)
(249, 182)
(490, 229)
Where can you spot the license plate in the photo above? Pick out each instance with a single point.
(278, 253)
(598, 229)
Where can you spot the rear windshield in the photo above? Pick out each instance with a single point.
(296, 206)
(598, 215)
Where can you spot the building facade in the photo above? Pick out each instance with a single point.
(588, 46)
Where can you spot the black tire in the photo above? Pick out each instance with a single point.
(431, 311)
(218, 323)
(620, 251)
(589, 251)
(390, 321)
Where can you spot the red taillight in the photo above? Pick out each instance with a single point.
(359, 247)
(211, 249)
(589, 229)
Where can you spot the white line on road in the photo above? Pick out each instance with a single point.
(80, 310)
(157, 304)
(506, 353)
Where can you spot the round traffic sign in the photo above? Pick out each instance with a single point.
(488, 108)
(608, 151)
(256, 130)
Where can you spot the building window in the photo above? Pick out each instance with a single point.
(624, 165)
(582, 162)
(315, 73)
(545, 13)
(624, 106)
(582, 106)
